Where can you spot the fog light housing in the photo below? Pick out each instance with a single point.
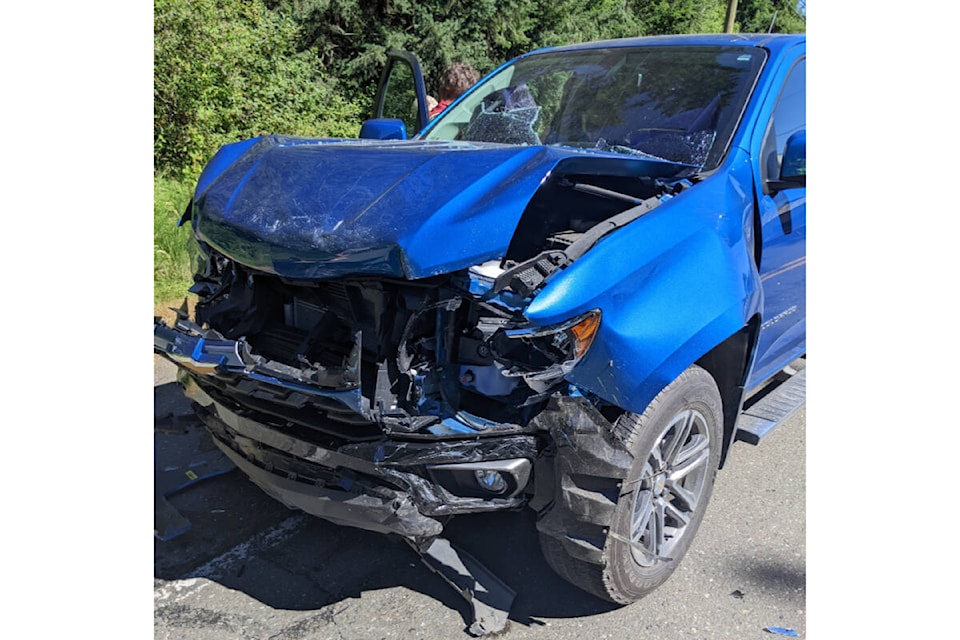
(491, 481)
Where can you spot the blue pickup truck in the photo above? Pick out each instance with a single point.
(571, 291)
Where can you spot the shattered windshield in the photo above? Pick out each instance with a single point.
(680, 104)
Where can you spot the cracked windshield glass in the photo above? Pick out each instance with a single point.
(679, 104)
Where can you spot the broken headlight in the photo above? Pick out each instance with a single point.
(543, 355)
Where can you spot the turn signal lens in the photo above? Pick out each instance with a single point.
(543, 349)
(584, 332)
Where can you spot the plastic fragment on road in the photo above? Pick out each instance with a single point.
(182, 459)
(781, 631)
(488, 596)
(736, 593)
(168, 523)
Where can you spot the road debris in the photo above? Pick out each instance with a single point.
(781, 631)
(489, 597)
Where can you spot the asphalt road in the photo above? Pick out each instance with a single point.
(249, 568)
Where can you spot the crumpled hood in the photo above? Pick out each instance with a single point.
(316, 209)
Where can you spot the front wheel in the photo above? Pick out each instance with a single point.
(675, 444)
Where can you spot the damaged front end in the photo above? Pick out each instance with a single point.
(373, 402)
(386, 385)
(388, 333)
(364, 353)
(355, 365)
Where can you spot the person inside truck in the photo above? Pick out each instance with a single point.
(458, 77)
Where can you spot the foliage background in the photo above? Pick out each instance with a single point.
(225, 70)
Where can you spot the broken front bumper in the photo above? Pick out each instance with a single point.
(280, 434)
(383, 485)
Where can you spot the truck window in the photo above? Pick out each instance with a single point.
(789, 116)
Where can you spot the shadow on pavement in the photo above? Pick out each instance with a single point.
(246, 541)
(779, 577)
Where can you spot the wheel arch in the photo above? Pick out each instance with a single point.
(728, 364)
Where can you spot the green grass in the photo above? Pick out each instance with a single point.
(172, 273)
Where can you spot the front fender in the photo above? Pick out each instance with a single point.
(671, 286)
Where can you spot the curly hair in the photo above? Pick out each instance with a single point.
(458, 77)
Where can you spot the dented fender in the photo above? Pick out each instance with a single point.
(671, 285)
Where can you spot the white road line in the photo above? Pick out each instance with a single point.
(230, 560)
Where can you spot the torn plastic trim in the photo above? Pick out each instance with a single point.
(489, 597)
(383, 514)
(390, 453)
(316, 466)
(586, 450)
(292, 411)
(215, 356)
(398, 464)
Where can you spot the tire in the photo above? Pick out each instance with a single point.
(675, 446)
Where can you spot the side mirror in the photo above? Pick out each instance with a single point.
(384, 129)
(794, 165)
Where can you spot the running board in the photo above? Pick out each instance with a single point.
(773, 409)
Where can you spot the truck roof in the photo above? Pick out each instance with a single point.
(772, 41)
